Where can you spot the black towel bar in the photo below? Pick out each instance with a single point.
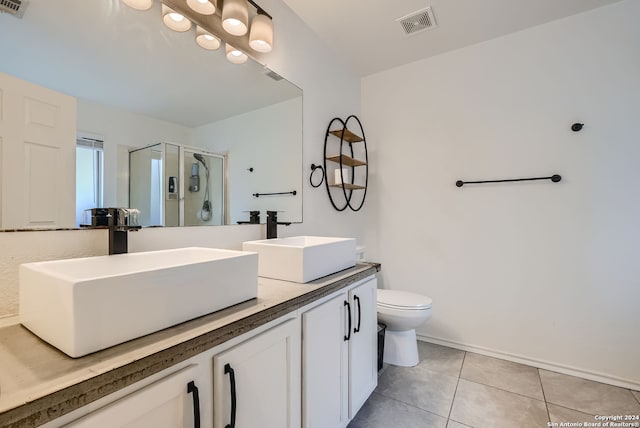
(293, 192)
(555, 178)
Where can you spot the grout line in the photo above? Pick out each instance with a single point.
(506, 390)
(544, 396)
(411, 405)
(573, 410)
(464, 357)
(637, 397)
(456, 390)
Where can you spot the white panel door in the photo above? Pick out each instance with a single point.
(38, 143)
(363, 346)
(257, 383)
(325, 364)
(167, 403)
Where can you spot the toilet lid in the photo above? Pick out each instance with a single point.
(396, 299)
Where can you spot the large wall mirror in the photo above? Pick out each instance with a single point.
(161, 125)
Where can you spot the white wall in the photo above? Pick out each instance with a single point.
(276, 130)
(330, 89)
(538, 272)
(24, 247)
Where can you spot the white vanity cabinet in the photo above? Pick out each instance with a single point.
(257, 383)
(171, 402)
(313, 367)
(363, 345)
(264, 368)
(339, 356)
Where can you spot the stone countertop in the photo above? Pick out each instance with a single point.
(39, 383)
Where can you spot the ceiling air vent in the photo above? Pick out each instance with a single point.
(13, 7)
(418, 21)
(272, 74)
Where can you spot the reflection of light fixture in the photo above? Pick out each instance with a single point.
(206, 40)
(235, 17)
(261, 36)
(175, 20)
(234, 55)
(139, 4)
(204, 7)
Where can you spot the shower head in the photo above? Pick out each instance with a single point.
(199, 158)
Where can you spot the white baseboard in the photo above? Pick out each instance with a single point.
(546, 365)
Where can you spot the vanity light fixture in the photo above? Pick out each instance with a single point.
(235, 17)
(204, 7)
(139, 4)
(232, 16)
(235, 56)
(175, 20)
(206, 40)
(261, 35)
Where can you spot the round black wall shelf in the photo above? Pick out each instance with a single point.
(340, 129)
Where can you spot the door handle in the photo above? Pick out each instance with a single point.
(357, 329)
(348, 335)
(193, 389)
(232, 381)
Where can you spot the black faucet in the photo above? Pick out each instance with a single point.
(272, 224)
(119, 228)
(254, 218)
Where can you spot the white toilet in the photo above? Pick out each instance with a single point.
(402, 312)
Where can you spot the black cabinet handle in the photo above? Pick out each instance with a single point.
(193, 389)
(357, 299)
(348, 305)
(232, 380)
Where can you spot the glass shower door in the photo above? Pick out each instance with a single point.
(145, 184)
(154, 185)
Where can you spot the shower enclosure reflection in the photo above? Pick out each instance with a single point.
(174, 185)
(205, 204)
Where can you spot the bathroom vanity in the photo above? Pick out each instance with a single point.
(297, 355)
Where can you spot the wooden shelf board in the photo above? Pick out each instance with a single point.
(348, 136)
(346, 160)
(348, 186)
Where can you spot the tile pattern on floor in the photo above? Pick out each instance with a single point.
(454, 424)
(587, 396)
(419, 387)
(440, 359)
(380, 411)
(456, 389)
(562, 414)
(501, 374)
(480, 405)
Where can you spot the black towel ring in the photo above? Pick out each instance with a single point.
(315, 167)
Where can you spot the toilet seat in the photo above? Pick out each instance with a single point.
(403, 300)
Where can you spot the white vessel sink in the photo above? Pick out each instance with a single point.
(302, 258)
(85, 305)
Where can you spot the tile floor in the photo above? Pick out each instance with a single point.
(456, 389)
